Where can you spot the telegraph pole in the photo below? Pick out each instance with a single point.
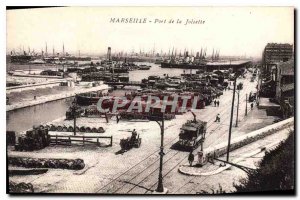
(231, 118)
(246, 106)
(237, 109)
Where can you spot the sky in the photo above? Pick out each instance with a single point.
(234, 31)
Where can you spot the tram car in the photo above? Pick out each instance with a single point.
(191, 135)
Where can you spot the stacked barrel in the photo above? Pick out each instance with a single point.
(73, 164)
(20, 187)
(35, 139)
(64, 128)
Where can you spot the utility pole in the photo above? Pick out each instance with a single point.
(237, 109)
(74, 110)
(231, 118)
(160, 187)
(246, 106)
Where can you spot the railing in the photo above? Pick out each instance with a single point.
(125, 83)
(34, 85)
(67, 140)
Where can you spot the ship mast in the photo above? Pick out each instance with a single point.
(201, 54)
(46, 51)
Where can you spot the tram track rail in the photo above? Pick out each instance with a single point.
(210, 122)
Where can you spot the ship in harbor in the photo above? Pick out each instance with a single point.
(20, 58)
(189, 61)
(44, 57)
(183, 65)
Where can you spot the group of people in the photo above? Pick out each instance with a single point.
(216, 103)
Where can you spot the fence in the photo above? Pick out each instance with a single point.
(67, 140)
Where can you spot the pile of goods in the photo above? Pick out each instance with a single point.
(10, 138)
(70, 115)
(74, 164)
(64, 128)
(133, 115)
(144, 116)
(92, 111)
(35, 139)
(167, 116)
(20, 187)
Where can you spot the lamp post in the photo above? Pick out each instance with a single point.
(74, 112)
(160, 187)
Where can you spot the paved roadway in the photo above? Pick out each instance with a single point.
(142, 177)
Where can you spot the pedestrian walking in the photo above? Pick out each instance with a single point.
(217, 118)
(218, 103)
(191, 158)
(252, 106)
(215, 102)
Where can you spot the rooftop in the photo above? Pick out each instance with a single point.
(279, 45)
(237, 62)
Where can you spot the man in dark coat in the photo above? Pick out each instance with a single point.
(191, 158)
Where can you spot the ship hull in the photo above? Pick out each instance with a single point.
(86, 101)
(183, 65)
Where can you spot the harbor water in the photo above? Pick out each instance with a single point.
(23, 119)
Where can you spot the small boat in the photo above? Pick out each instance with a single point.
(37, 61)
(144, 67)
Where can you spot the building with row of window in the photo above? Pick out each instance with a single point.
(278, 74)
(285, 87)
